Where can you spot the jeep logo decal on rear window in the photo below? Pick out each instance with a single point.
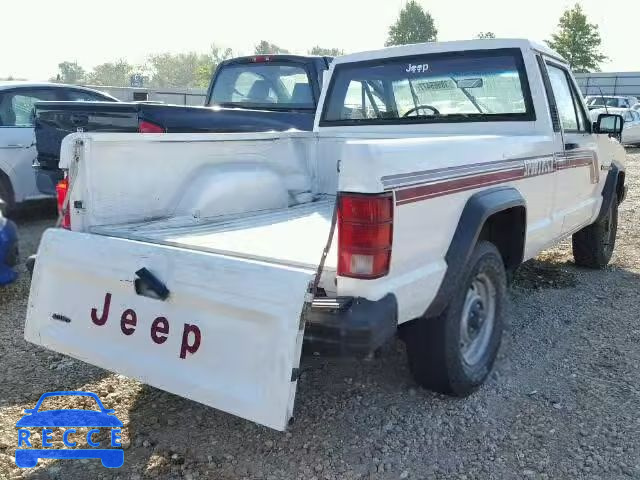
(418, 68)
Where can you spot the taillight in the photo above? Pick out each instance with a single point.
(365, 233)
(149, 127)
(62, 188)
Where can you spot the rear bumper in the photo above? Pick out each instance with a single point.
(8, 251)
(350, 326)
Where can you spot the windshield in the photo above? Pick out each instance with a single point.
(263, 85)
(484, 85)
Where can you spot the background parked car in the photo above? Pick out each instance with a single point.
(631, 129)
(615, 101)
(17, 139)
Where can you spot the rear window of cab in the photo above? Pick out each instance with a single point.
(467, 86)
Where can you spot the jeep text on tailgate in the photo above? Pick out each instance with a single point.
(159, 330)
(433, 171)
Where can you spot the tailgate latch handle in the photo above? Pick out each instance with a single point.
(147, 282)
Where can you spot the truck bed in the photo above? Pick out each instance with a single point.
(295, 236)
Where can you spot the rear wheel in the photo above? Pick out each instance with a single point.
(593, 245)
(6, 193)
(454, 352)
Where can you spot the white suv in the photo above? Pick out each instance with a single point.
(17, 139)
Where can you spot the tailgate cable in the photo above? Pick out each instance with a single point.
(71, 175)
(313, 288)
(297, 372)
(327, 247)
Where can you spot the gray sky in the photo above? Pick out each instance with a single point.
(38, 34)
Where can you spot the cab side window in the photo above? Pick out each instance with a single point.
(569, 104)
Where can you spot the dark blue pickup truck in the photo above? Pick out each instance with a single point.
(246, 94)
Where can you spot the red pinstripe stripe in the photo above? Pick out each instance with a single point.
(574, 162)
(423, 192)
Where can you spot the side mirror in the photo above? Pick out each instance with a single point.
(609, 123)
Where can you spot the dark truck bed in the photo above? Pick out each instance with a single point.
(55, 120)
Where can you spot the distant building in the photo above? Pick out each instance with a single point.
(176, 96)
(613, 83)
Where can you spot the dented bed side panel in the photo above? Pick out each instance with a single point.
(128, 178)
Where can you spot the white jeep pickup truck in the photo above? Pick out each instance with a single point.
(199, 263)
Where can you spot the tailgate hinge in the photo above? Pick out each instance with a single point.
(308, 300)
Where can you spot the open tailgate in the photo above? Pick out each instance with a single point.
(228, 335)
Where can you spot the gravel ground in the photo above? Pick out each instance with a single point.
(562, 402)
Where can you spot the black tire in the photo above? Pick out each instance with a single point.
(435, 347)
(6, 193)
(593, 245)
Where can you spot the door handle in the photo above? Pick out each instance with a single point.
(571, 146)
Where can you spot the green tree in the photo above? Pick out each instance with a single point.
(486, 35)
(176, 70)
(191, 69)
(266, 48)
(70, 72)
(414, 25)
(326, 52)
(115, 74)
(204, 72)
(578, 41)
